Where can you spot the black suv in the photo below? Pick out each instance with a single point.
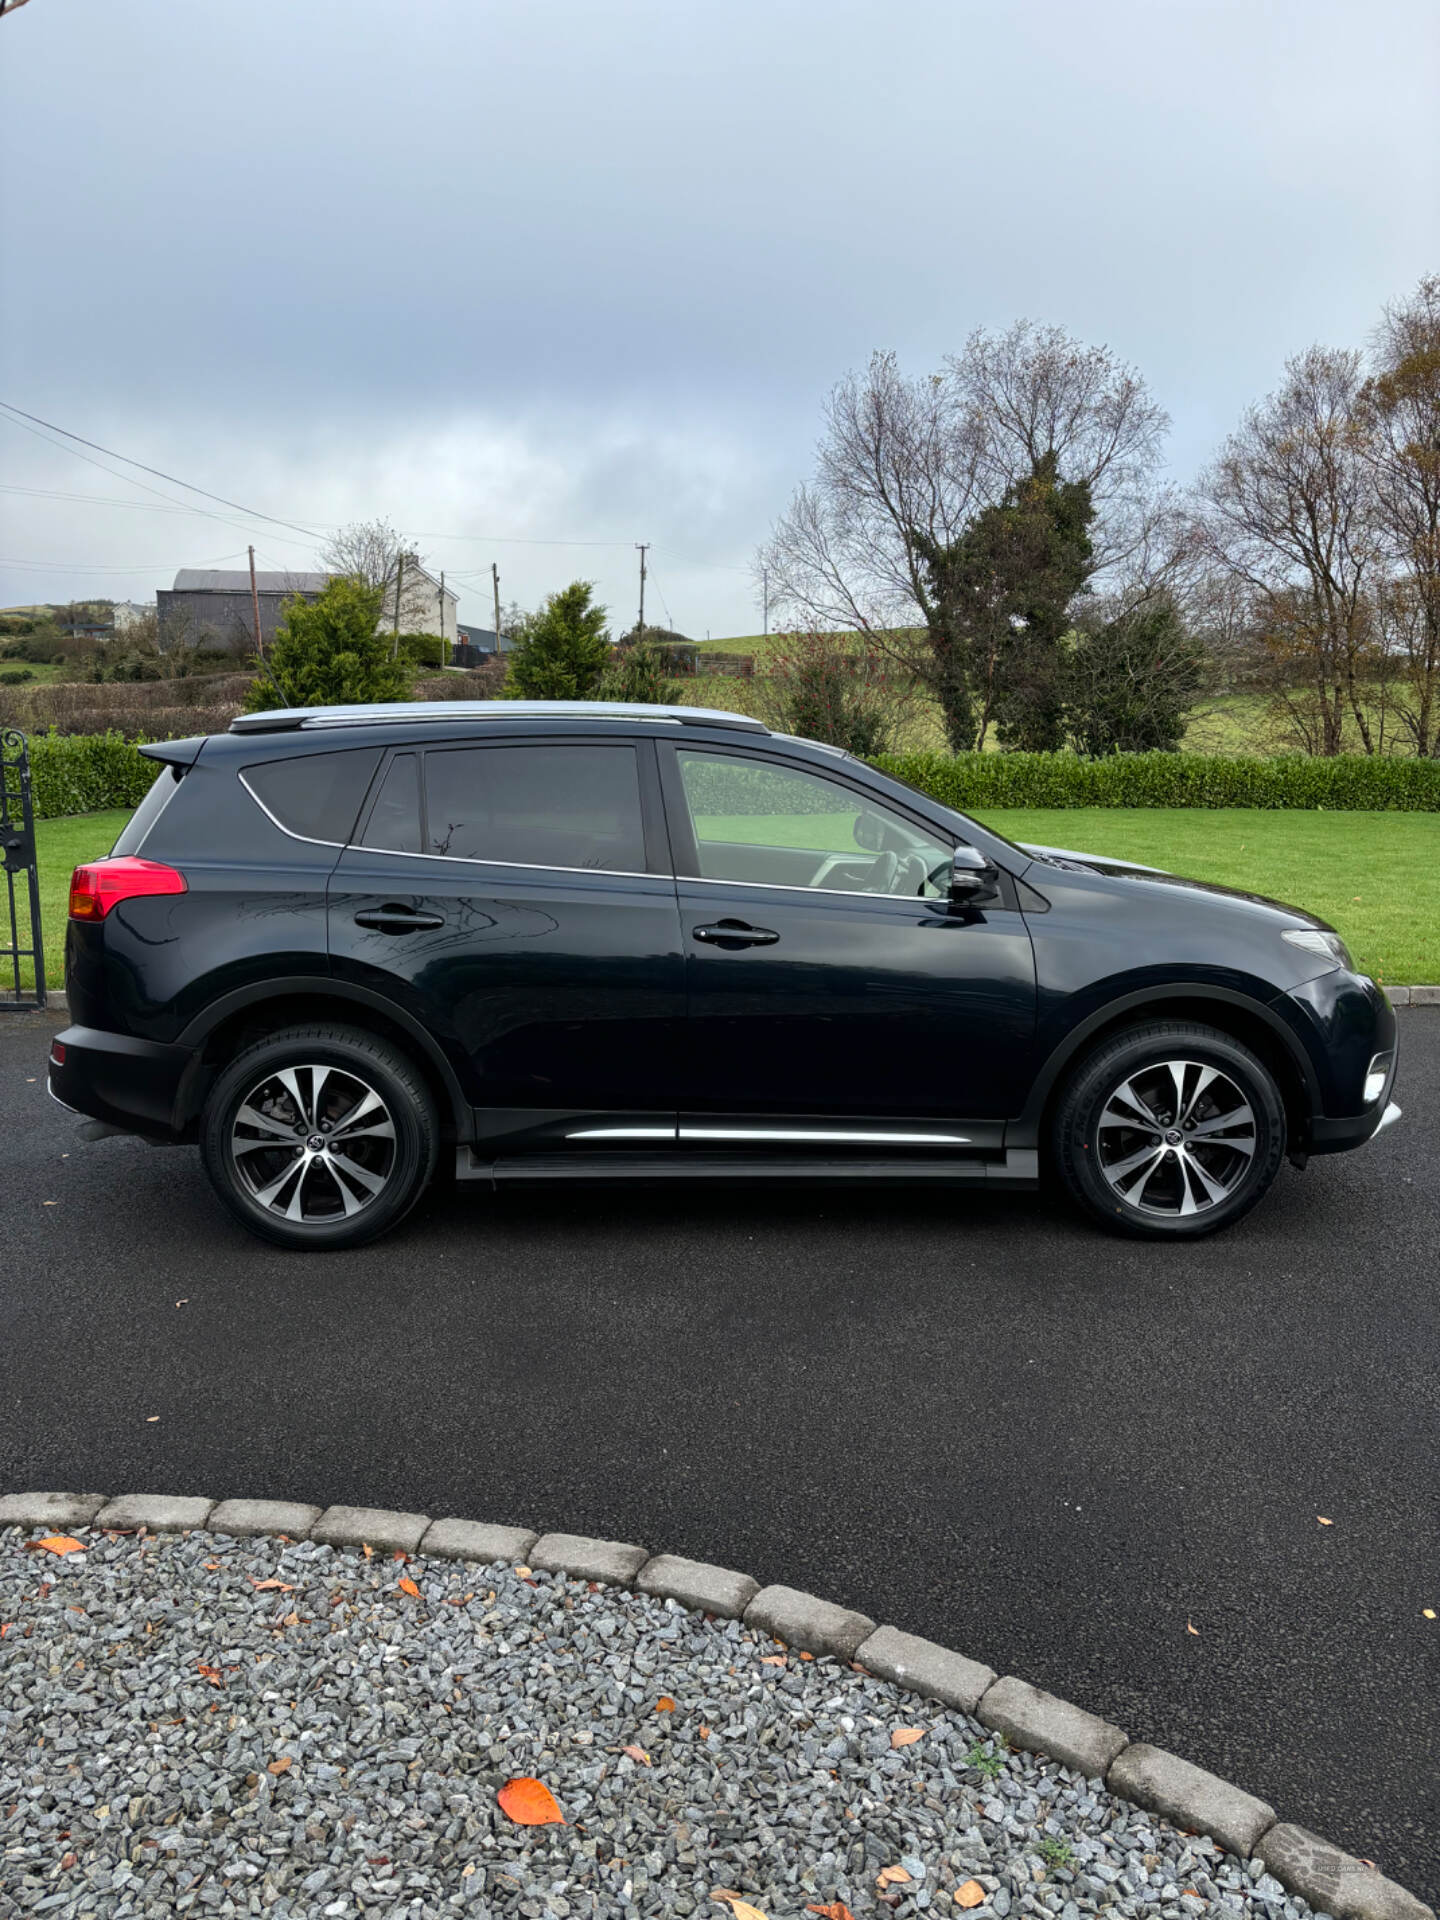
(337, 946)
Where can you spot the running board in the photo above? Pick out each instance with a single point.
(1018, 1168)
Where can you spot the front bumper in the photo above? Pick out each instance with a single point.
(131, 1084)
(1339, 1136)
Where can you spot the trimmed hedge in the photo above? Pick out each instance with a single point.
(1349, 783)
(86, 772)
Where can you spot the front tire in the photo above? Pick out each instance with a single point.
(320, 1137)
(1169, 1131)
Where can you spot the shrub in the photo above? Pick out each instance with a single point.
(1351, 783)
(15, 676)
(562, 650)
(844, 692)
(327, 652)
(475, 683)
(82, 773)
(423, 649)
(638, 673)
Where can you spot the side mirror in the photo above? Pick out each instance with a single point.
(972, 878)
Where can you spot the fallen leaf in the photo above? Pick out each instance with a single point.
(530, 1803)
(407, 1585)
(1368, 1863)
(1323, 1521)
(1429, 1612)
(212, 1566)
(400, 1554)
(664, 1704)
(377, 1859)
(971, 1894)
(291, 1620)
(1191, 1628)
(772, 1659)
(49, 1203)
(5, 1627)
(183, 1303)
(367, 1549)
(282, 1765)
(269, 1586)
(892, 1876)
(67, 1862)
(58, 1543)
(741, 1909)
(807, 1656)
(704, 1733)
(151, 1418)
(906, 1736)
(521, 1573)
(639, 1755)
(212, 1674)
(837, 1910)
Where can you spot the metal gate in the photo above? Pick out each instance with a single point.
(22, 881)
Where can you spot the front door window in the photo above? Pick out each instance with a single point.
(758, 823)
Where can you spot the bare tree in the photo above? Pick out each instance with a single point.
(1286, 510)
(1400, 411)
(368, 550)
(906, 464)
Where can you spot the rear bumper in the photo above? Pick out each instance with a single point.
(131, 1084)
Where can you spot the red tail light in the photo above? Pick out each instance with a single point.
(95, 889)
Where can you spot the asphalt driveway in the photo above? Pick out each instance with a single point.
(972, 1416)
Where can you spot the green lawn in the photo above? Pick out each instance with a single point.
(1376, 876)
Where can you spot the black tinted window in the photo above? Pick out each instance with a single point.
(132, 836)
(537, 806)
(394, 823)
(316, 795)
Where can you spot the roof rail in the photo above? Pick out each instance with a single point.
(443, 712)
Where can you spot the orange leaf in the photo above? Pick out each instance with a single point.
(269, 1586)
(5, 1628)
(892, 1875)
(530, 1803)
(772, 1659)
(407, 1585)
(704, 1731)
(1323, 1521)
(1190, 1627)
(664, 1704)
(969, 1895)
(212, 1566)
(906, 1736)
(282, 1765)
(59, 1544)
(212, 1674)
(639, 1755)
(367, 1550)
(807, 1656)
(837, 1910)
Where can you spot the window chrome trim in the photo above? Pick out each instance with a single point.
(815, 893)
(275, 821)
(518, 866)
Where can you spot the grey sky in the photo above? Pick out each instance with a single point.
(557, 270)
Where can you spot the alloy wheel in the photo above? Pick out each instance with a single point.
(313, 1143)
(1176, 1138)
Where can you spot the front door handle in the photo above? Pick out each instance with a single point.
(735, 934)
(397, 919)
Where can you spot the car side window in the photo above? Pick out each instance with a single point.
(770, 825)
(394, 823)
(315, 796)
(536, 806)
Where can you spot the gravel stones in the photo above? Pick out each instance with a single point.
(178, 1734)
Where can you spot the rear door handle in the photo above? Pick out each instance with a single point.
(734, 934)
(397, 919)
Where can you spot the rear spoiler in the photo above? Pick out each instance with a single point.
(175, 753)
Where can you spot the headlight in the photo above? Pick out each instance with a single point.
(1329, 946)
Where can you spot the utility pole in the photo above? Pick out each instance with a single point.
(642, 547)
(255, 607)
(442, 616)
(495, 581)
(399, 588)
(765, 588)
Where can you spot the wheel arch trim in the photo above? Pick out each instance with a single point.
(1024, 1131)
(318, 987)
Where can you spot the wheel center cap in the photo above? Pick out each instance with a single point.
(1173, 1137)
(316, 1143)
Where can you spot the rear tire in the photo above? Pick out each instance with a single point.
(320, 1137)
(1169, 1131)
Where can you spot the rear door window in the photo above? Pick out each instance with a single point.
(394, 823)
(315, 796)
(536, 806)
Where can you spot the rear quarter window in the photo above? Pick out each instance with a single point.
(314, 795)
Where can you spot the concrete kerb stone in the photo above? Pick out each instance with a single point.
(471, 1540)
(1332, 1881)
(697, 1585)
(925, 1668)
(50, 1509)
(247, 1519)
(1425, 996)
(1189, 1797)
(1041, 1723)
(614, 1563)
(156, 1512)
(801, 1620)
(1335, 1882)
(370, 1527)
